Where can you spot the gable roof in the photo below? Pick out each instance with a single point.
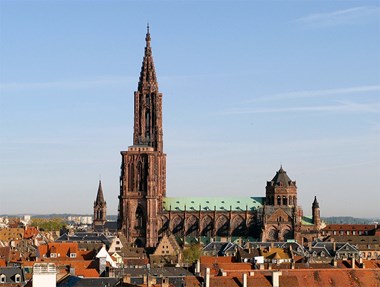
(347, 247)
(10, 273)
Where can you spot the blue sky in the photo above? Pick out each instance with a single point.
(247, 85)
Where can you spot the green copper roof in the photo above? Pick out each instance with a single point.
(211, 203)
(307, 220)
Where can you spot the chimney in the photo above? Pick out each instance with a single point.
(244, 279)
(276, 278)
(165, 282)
(207, 277)
(334, 246)
(198, 267)
(361, 264)
(353, 263)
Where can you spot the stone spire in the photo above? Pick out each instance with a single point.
(100, 210)
(315, 203)
(99, 197)
(148, 104)
(148, 79)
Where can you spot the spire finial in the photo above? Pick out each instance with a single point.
(147, 38)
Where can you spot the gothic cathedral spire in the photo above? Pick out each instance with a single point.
(148, 104)
(143, 167)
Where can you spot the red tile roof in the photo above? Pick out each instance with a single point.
(30, 232)
(61, 249)
(3, 263)
(221, 259)
(298, 278)
(87, 273)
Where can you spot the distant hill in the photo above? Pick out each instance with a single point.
(349, 220)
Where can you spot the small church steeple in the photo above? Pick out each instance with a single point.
(100, 209)
(316, 213)
(99, 197)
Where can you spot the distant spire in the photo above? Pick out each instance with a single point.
(99, 196)
(315, 202)
(148, 79)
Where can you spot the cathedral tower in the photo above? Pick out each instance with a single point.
(100, 209)
(282, 217)
(281, 190)
(143, 167)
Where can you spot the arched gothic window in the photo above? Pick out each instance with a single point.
(222, 226)
(207, 226)
(238, 226)
(177, 226)
(192, 226)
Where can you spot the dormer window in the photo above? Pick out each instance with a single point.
(73, 255)
(315, 254)
(323, 254)
(53, 255)
(3, 278)
(17, 278)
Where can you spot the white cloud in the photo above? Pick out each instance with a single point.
(339, 17)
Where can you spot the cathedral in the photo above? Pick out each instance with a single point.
(146, 213)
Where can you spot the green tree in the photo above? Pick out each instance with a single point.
(192, 253)
(48, 224)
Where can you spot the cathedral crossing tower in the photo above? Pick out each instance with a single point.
(143, 167)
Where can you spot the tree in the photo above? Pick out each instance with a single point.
(48, 224)
(191, 254)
